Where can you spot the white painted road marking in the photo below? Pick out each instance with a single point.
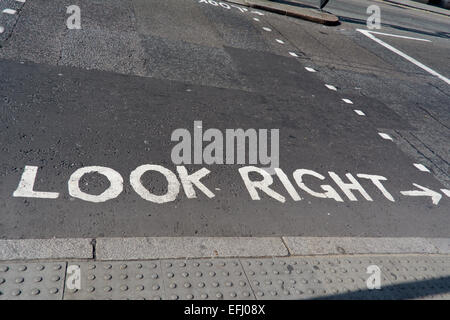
(421, 167)
(423, 192)
(397, 36)
(404, 55)
(113, 191)
(9, 11)
(329, 86)
(359, 112)
(293, 54)
(347, 101)
(310, 69)
(256, 19)
(2, 29)
(267, 29)
(26, 184)
(348, 184)
(279, 41)
(258, 13)
(385, 136)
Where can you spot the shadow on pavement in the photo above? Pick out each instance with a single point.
(407, 290)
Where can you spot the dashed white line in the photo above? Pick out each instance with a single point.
(359, 112)
(256, 19)
(257, 12)
(279, 41)
(267, 29)
(9, 11)
(310, 69)
(2, 29)
(385, 136)
(329, 86)
(421, 167)
(347, 101)
(293, 54)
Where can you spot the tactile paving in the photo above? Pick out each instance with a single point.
(118, 280)
(212, 279)
(320, 277)
(37, 281)
(420, 277)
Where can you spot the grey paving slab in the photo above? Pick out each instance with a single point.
(37, 281)
(46, 249)
(213, 279)
(187, 247)
(357, 245)
(415, 277)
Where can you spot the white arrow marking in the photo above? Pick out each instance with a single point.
(424, 192)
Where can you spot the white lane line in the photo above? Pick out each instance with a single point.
(385, 136)
(397, 36)
(329, 86)
(21, 1)
(293, 54)
(446, 192)
(279, 41)
(256, 19)
(404, 55)
(421, 167)
(359, 112)
(310, 69)
(267, 29)
(347, 101)
(2, 29)
(9, 11)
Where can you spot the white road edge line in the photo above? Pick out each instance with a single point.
(404, 55)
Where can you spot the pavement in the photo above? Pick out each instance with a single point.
(364, 115)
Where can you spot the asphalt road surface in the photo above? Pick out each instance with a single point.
(373, 145)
